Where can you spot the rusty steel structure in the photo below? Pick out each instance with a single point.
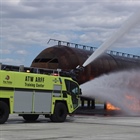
(67, 56)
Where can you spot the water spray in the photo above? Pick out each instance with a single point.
(122, 89)
(128, 25)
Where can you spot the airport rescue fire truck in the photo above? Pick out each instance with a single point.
(31, 92)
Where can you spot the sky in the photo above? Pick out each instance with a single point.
(27, 25)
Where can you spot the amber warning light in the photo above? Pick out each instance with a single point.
(57, 72)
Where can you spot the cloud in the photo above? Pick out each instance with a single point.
(12, 61)
(27, 25)
(4, 51)
(22, 52)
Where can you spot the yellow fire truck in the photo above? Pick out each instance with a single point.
(31, 92)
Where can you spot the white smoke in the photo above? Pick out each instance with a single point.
(122, 89)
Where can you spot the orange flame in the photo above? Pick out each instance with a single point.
(109, 106)
(132, 103)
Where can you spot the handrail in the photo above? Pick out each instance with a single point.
(90, 48)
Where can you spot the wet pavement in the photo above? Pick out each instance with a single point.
(79, 127)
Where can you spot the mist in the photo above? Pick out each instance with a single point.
(122, 89)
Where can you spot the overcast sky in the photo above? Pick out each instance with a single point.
(27, 25)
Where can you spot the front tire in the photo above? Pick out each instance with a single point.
(30, 117)
(60, 113)
(4, 112)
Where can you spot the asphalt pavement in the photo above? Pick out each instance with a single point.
(79, 127)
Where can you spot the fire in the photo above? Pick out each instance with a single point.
(132, 102)
(109, 106)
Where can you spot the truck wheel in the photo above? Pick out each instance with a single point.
(30, 117)
(60, 113)
(4, 112)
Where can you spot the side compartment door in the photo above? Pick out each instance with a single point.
(32, 101)
(42, 102)
(23, 101)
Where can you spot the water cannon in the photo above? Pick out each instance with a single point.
(80, 68)
(73, 73)
(77, 70)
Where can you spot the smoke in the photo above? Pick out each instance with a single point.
(127, 25)
(122, 89)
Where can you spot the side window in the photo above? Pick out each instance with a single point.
(72, 87)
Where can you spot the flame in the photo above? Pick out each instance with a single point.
(132, 102)
(109, 106)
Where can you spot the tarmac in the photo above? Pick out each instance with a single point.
(78, 127)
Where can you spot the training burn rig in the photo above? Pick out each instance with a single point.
(31, 92)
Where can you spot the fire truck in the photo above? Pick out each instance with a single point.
(30, 92)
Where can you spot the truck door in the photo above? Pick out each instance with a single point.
(73, 90)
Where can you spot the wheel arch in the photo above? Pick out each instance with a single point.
(6, 100)
(64, 102)
(60, 112)
(4, 110)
